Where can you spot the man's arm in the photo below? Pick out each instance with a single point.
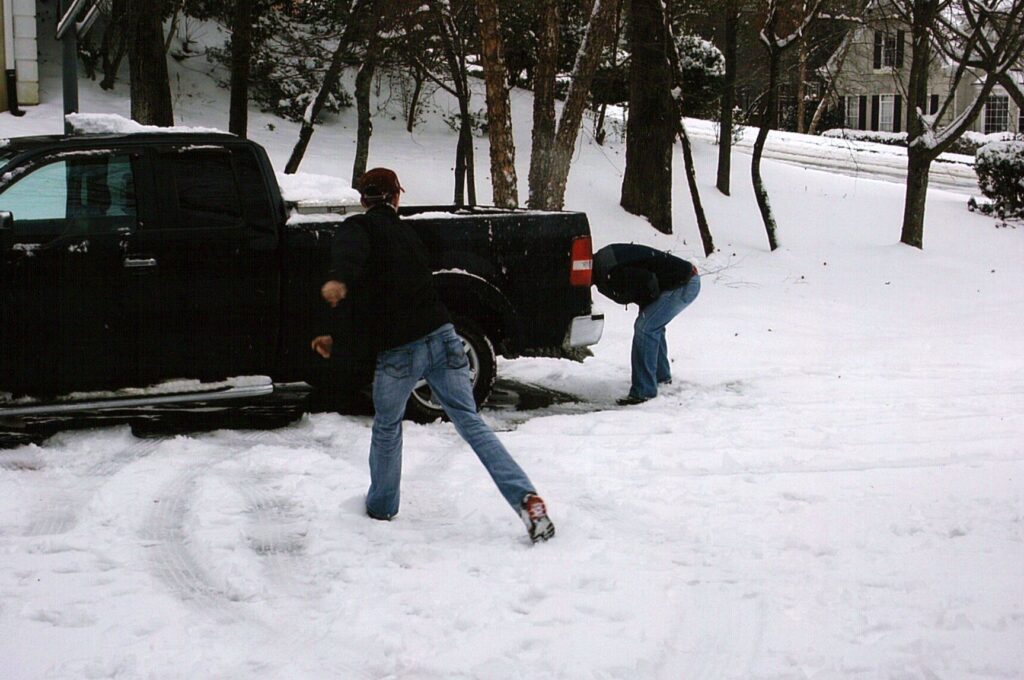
(350, 251)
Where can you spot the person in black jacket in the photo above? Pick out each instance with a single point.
(379, 266)
(662, 285)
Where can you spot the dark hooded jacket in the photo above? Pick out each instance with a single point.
(629, 273)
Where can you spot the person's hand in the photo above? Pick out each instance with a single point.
(322, 345)
(333, 292)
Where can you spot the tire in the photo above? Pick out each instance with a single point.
(483, 367)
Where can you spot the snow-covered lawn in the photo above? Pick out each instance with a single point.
(833, 487)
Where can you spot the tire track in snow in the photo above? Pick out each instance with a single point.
(170, 558)
(59, 512)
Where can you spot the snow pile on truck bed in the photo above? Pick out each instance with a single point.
(113, 124)
(311, 197)
(309, 189)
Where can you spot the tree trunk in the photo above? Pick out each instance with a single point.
(801, 85)
(114, 43)
(652, 124)
(364, 79)
(241, 53)
(363, 14)
(175, 17)
(150, 84)
(414, 101)
(469, 157)
(499, 109)
(544, 73)
(455, 56)
(599, 30)
(728, 97)
(918, 165)
(819, 112)
(769, 114)
(691, 179)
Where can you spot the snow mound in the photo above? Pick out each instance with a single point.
(111, 123)
(306, 189)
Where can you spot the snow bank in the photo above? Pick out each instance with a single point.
(113, 124)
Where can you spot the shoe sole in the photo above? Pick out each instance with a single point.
(542, 530)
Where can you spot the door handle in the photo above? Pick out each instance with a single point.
(139, 262)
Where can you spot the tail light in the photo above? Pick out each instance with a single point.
(581, 261)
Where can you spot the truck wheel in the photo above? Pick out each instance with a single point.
(483, 368)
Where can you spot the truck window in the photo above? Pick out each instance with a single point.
(84, 194)
(205, 189)
(259, 211)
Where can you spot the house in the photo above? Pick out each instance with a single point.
(19, 53)
(870, 71)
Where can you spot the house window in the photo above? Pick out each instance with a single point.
(997, 114)
(852, 119)
(886, 112)
(889, 51)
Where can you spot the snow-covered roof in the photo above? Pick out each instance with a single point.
(113, 124)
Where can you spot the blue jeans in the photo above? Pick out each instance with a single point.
(440, 358)
(650, 352)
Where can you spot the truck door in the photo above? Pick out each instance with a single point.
(212, 293)
(69, 321)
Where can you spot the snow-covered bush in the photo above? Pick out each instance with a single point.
(878, 137)
(290, 53)
(703, 68)
(1000, 168)
(968, 144)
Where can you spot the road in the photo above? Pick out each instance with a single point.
(856, 159)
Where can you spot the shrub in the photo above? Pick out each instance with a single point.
(1000, 168)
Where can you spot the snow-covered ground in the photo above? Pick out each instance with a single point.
(833, 487)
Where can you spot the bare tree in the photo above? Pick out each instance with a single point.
(364, 79)
(499, 108)
(684, 139)
(557, 157)
(453, 43)
(241, 54)
(784, 22)
(355, 14)
(982, 40)
(544, 73)
(150, 84)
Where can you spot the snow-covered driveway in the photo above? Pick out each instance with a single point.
(866, 160)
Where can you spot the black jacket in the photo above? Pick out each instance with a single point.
(391, 296)
(629, 273)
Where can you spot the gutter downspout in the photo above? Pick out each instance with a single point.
(11, 73)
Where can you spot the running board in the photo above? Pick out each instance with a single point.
(244, 388)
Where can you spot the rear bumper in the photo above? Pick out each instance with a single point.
(585, 330)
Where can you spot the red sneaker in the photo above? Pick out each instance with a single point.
(535, 517)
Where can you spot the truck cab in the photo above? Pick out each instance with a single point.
(119, 248)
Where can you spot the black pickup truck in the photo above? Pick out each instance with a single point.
(153, 267)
